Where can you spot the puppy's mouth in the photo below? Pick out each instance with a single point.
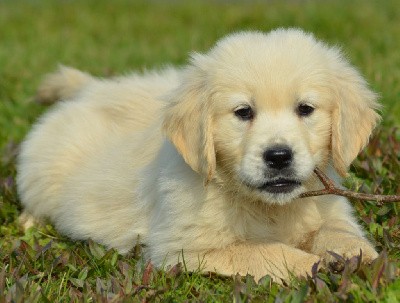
(280, 186)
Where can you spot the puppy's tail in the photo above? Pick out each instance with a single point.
(64, 83)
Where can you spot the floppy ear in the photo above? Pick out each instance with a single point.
(187, 123)
(354, 117)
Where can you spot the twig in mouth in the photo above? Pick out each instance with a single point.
(331, 189)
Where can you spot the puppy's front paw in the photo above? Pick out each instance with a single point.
(335, 257)
(286, 270)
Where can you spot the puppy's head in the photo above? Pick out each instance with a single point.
(260, 111)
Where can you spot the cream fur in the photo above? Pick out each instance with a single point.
(99, 166)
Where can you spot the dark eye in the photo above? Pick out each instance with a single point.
(245, 113)
(305, 110)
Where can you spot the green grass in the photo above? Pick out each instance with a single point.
(114, 37)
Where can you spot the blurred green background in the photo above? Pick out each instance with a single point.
(114, 37)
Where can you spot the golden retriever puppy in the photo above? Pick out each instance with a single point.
(209, 160)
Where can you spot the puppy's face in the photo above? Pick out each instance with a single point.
(268, 141)
(267, 109)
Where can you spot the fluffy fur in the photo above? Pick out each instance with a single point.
(164, 157)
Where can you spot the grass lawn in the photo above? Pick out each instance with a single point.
(114, 37)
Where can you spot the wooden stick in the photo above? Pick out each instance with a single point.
(331, 189)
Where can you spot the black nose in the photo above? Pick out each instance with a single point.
(278, 157)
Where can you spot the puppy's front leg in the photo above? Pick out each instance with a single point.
(276, 259)
(343, 237)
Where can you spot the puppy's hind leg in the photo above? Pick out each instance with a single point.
(65, 83)
(26, 220)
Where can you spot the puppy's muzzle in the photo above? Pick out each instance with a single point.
(278, 157)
